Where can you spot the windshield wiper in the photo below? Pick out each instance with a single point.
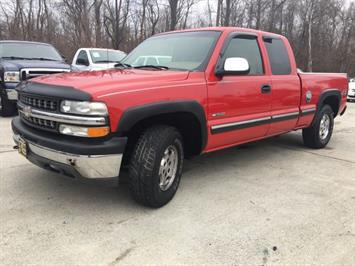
(15, 57)
(42, 59)
(152, 66)
(119, 64)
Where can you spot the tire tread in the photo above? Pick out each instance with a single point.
(143, 161)
(311, 134)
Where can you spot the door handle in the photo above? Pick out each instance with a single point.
(265, 89)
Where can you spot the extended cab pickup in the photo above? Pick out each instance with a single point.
(218, 87)
(19, 61)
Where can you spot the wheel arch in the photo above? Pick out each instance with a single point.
(332, 97)
(186, 115)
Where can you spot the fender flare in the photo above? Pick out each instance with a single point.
(327, 93)
(133, 115)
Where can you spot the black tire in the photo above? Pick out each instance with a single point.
(7, 108)
(312, 136)
(144, 178)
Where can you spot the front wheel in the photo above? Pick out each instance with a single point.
(156, 166)
(319, 133)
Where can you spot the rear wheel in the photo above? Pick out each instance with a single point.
(7, 108)
(156, 166)
(319, 133)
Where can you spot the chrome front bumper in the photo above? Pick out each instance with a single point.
(87, 166)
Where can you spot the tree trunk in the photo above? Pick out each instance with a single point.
(173, 4)
(310, 19)
(219, 10)
(228, 13)
(98, 25)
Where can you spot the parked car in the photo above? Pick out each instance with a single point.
(20, 61)
(222, 87)
(87, 59)
(351, 91)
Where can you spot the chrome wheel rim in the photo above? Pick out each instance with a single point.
(324, 127)
(168, 167)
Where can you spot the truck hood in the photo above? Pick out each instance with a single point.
(16, 65)
(98, 83)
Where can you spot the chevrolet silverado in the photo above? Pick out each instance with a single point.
(215, 88)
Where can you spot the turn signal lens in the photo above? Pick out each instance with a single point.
(98, 131)
(89, 132)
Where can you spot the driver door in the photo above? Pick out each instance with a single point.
(240, 105)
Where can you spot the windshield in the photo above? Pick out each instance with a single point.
(106, 56)
(13, 50)
(184, 51)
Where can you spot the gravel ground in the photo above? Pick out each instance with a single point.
(266, 203)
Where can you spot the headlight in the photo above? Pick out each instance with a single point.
(89, 132)
(83, 108)
(12, 76)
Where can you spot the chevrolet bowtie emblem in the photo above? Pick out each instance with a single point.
(27, 111)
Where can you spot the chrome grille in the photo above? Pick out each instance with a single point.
(42, 112)
(37, 122)
(29, 73)
(40, 103)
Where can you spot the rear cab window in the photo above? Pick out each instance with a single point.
(278, 56)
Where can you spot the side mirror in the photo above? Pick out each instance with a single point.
(82, 61)
(234, 66)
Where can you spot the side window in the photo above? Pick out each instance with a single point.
(278, 56)
(82, 57)
(248, 48)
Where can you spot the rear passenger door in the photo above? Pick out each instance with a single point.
(239, 105)
(286, 87)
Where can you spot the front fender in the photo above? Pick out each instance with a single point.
(133, 115)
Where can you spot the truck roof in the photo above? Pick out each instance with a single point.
(29, 42)
(224, 29)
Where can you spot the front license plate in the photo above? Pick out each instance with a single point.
(22, 147)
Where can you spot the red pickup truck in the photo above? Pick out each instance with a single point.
(178, 94)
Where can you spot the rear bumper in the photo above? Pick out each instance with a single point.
(83, 159)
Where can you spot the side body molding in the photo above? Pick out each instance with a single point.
(133, 115)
